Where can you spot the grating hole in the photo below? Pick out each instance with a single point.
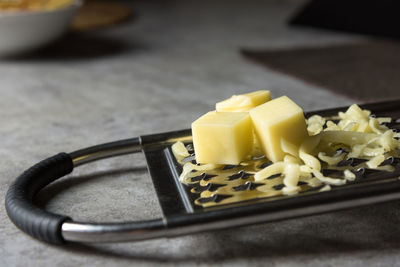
(351, 162)
(366, 173)
(333, 173)
(228, 167)
(210, 187)
(264, 165)
(202, 176)
(247, 186)
(198, 178)
(214, 198)
(241, 174)
(274, 176)
(213, 187)
(207, 199)
(207, 177)
(278, 186)
(388, 161)
(198, 188)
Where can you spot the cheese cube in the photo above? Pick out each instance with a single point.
(243, 103)
(278, 119)
(222, 137)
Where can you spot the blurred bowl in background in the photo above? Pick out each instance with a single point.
(24, 31)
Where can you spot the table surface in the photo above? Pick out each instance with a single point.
(159, 73)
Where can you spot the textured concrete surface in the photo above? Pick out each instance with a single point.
(157, 74)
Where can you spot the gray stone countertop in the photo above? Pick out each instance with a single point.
(159, 73)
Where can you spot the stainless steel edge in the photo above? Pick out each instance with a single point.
(106, 150)
(123, 232)
(115, 232)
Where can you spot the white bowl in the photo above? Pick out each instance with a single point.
(24, 31)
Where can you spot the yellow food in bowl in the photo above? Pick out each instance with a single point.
(33, 5)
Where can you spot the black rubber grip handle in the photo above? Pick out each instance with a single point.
(23, 213)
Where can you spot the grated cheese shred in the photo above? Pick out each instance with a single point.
(351, 134)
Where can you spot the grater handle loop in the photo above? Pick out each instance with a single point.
(23, 213)
(47, 226)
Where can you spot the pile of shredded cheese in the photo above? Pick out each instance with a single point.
(351, 134)
(356, 132)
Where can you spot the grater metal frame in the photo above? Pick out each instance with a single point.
(180, 217)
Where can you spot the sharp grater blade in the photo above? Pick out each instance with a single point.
(185, 204)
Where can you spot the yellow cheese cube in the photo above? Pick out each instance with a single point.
(278, 119)
(243, 103)
(222, 137)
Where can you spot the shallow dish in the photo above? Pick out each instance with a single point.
(24, 31)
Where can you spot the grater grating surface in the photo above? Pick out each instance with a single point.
(234, 186)
(236, 183)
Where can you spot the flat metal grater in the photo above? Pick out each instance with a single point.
(185, 209)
